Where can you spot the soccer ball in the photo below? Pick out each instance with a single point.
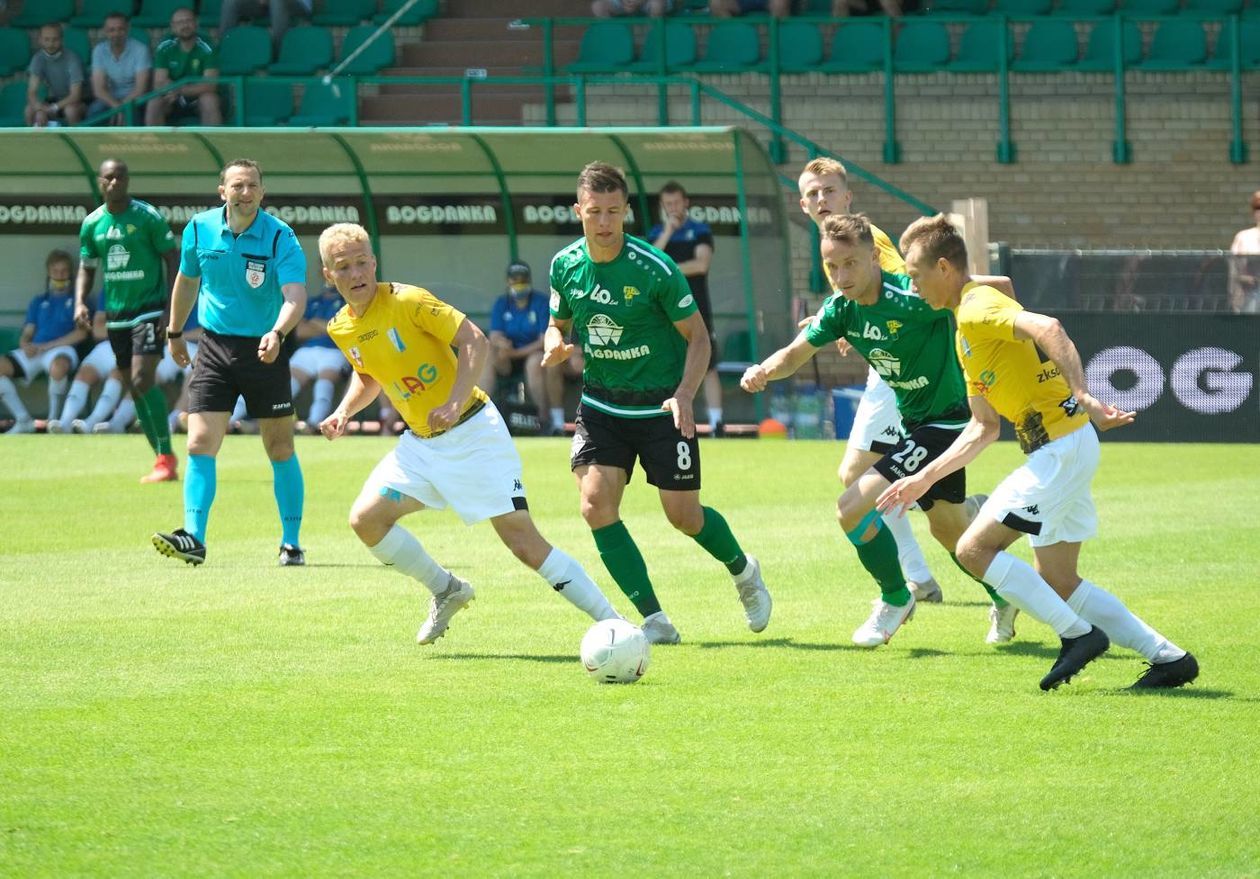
(615, 652)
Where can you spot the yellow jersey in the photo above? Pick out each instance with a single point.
(889, 259)
(403, 341)
(1012, 374)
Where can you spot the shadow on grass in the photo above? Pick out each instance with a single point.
(777, 642)
(1180, 693)
(519, 657)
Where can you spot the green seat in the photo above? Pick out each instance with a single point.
(1178, 44)
(325, 105)
(208, 13)
(416, 15)
(980, 48)
(378, 55)
(1083, 8)
(1023, 7)
(344, 13)
(157, 13)
(13, 105)
(1101, 45)
(1249, 43)
(732, 48)
(800, 47)
(245, 49)
(1150, 7)
(267, 102)
(680, 48)
(77, 41)
(606, 47)
(955, 7)
(37, 13)
(1049, 46)
(303, 50)
(15, 50)
(856, 47)
(922, 47)
(1216, 7)
(93, 12)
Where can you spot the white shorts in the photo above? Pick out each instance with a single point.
(168, 370)
(314, 359)
(34, 367)
(101, 358)
(474, 469)
(876, 419)
(1048, 497)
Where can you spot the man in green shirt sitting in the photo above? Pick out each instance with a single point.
(185, 55)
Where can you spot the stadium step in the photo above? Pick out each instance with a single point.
(471, 53)
(537, 9)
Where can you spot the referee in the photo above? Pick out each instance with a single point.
(250, 273)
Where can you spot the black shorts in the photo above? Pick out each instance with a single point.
(670, 460)
(922, 446)
(145, 339)
(228, 366)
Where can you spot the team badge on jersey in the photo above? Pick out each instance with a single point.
(255, 273)
(629, 292)
(396, 340)
(884, 362)
(603, 330)
(357, 356)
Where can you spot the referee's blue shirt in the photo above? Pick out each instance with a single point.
(241, 275)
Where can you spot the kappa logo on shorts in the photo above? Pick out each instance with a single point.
(1033, 510)
(516, 485)
(255, 273)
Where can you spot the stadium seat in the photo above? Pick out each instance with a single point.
(1178, 44)
(606, 47)
(1082, 8)
(1150, 7)
(856, 47)
(157, 13)
(208, 13)
(955, 7)
(1049, 46)
(245, 49)
(13, 105)
(680, 48)
(800, 47)
(922, 47)
(77, 41)
(980, 50)
(325, 104)
(1216, 7)
(93, 12)
(1099, 49)
(416, 15)
(378, 55)
(15, 50)
(1023, 7)
(303, 51)
(344, 13)
(732, 48)
(267, 102)
(37, 13)
(1249, 43)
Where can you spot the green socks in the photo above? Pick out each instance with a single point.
(152, 414)
(879, 556)
(997, 599)
(625, 563)
(718, 541)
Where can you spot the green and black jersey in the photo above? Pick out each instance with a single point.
(131, 244)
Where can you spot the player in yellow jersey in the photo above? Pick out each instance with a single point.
(1000, 346)
(456, 452)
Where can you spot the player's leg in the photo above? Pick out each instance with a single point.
(536, 388)
(60, 363)
(150, 400)
(561, 571)
(14, 365)
(876, 549)
(111, 394)
(269, 398)
(85, 378)
(325, 387)
(209, 108)
(713, 400)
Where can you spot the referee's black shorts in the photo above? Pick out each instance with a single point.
(228, 366)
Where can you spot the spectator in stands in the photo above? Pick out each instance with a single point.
(1244, 265)
(689, 243)
(279, 11)
(58, 73)
(518, 320)
(185, 55)
(121, 69)
(728, 8)
(317, 356)
(46, 345)
(845, 8)
(613, 8)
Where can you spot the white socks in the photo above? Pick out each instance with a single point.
(401, 549)
(1108, 613)
(57, 388)
(1017, 582)
(239, 411)
(321, 401)
(715, 417)
(557, 417)
(9, 393)
(75, 401)
(913, 564)
(125, 414)
(567, 577)
(105, 403)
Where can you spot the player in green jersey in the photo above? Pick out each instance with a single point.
(647, 350)
(134, 241)
(911, 346)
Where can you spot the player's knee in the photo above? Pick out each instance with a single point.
(59, 369)
(850, 509)
(973, 555)
(369, 525)
(688, 520)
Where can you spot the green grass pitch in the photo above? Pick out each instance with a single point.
(245, 720)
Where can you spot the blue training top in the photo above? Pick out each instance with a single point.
(323, 307)
(52, 314)
(520, 325)
(241, 275)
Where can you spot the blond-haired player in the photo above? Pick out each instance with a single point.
(456, 453)
(1000, 345)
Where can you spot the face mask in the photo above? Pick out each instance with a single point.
(58, 286)
(520, 291)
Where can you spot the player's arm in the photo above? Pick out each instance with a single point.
(699, 263)
(161, 78)
(1001, 283)
(979, 434)
(83, 282)
(1239, 281)
(699, 349)
(360, 390)
(1051, 338)
(780, 364)
(555, 349)
(24, 340)
(471, 347)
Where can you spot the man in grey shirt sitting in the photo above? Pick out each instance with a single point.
(58, 73)
(121, 68)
